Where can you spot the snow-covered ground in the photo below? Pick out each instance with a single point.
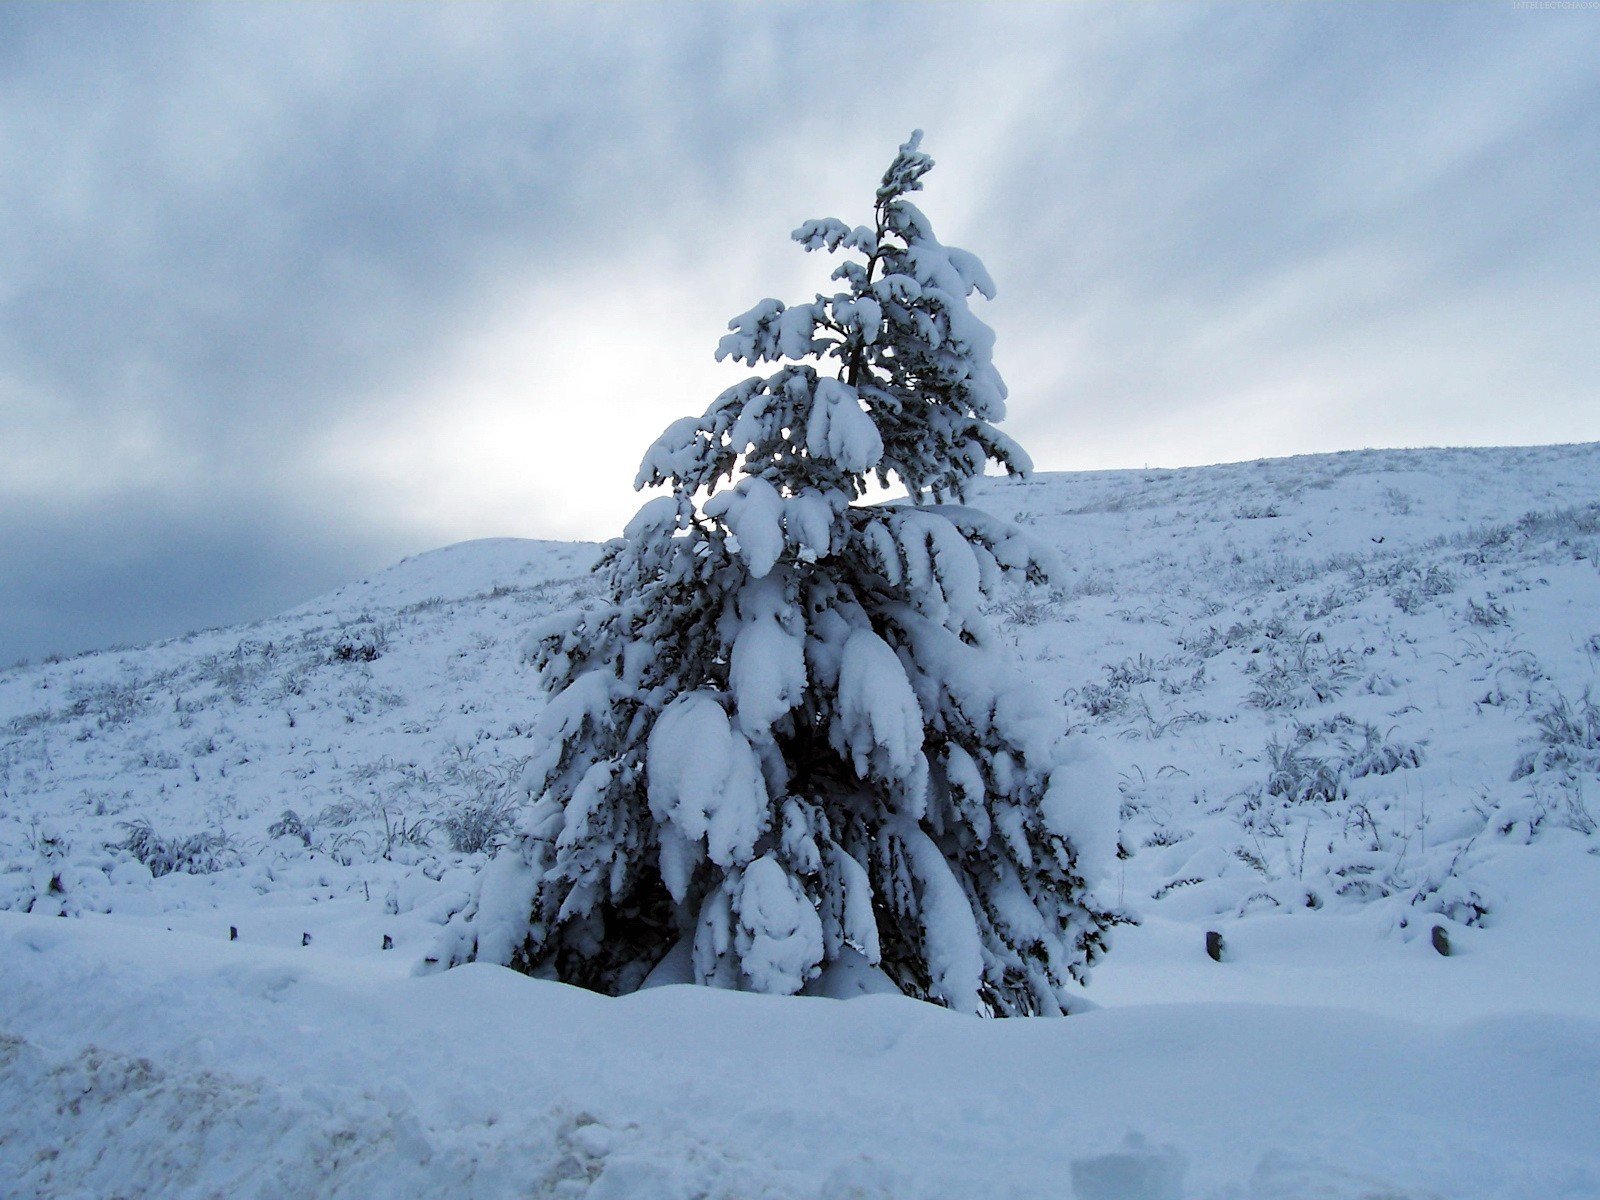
(1348, 700)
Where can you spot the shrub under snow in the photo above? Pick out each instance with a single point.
(787, 741)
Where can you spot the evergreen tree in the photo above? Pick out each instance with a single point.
(787, 744)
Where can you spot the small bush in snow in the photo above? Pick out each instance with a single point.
(201, 745)
(1301, 671)
(1165, 836)
(1397, 502)
(341, 814)
(401, 830)
(47, 843)
(1328, 602)
(1103, 700)
(290, 825)
(1132, 671)
(361, 644)
(1179, 685)
(1371, 751)
(1446, 892)
(1559, 803)
(1091, 583)
(479, 825)
(1030, 609)
(1488, 614)
(1573, 811)
(1256, 512)
(196, 854)
(158, 759)
(1297, 776)
(1414, 587)
(119, 704)
(1568, 737)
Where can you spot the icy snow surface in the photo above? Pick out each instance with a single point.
(1347, 699)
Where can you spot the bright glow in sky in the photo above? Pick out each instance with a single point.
(287, 292)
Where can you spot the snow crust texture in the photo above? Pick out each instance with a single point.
(190, 1066)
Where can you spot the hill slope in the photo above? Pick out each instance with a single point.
(1348, 701)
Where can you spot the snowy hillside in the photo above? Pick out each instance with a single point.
(1350, 699)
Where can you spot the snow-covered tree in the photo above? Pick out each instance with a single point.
(788, 748)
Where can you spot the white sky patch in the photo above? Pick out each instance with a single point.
(533, 424)
(532, 421)
(1332, 354)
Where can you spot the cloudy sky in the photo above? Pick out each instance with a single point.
(289, 292)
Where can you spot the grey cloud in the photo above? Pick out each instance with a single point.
(140, 567)
(232, 228)
(1279, 199)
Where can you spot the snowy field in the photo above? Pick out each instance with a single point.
(1353, 704)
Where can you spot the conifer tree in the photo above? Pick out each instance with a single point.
(788, 744)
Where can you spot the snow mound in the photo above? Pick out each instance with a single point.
(190, 1066)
